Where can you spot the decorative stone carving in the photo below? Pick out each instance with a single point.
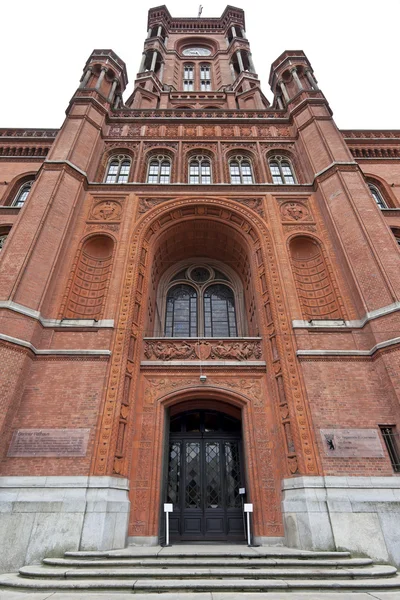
(294, 211)
(146, 204)
(188, 349)
(109, 210)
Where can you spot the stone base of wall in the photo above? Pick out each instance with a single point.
(359, 514)
(46, 516)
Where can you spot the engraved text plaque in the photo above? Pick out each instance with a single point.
(49, 442)
(342, 443)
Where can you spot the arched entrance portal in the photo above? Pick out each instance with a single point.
(205, 474)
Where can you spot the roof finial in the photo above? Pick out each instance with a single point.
(200, 11)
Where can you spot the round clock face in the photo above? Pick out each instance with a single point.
(196, 52)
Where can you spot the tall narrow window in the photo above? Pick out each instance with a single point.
(159, 170)
(240, 170)
(188, 78)
(377, 196)
(22, 194)
(181, 312)
(118, 169)
(205, 78)
(390, 437)
(219, 312)
(281, 170)
(200, 170)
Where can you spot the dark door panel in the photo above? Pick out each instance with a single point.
(204, 476)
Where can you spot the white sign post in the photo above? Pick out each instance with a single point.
(248, 508)
(168, 508)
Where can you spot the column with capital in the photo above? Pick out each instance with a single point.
(311, 79)
(86, 78)
(240, 60)
(233, 29)
(101, 77)
(153, 61)
(142, 62)
(112, 91)
(280, 103)
(296, 79)
(284, 91)
(161, 74)
(159, 31)
(251, 64)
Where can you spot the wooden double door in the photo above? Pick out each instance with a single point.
(204, 477)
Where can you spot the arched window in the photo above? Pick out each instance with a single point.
(22, 194)
(200, 170)
(3, 237)
(159, 170)
(240, 170)
(281, 170)
(181, 312)
(118, 169)
(188, 78)
(200, 302)
(377, 196)
(205, 78)
(219, 312)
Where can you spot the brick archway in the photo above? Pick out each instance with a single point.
(126, 424)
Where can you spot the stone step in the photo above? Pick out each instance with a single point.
(254, 562)
(13, 581)
(211, 573)
(194, 553)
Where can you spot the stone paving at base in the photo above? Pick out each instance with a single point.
(10, 595)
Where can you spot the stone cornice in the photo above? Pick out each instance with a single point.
(321, 353)
(53, 351)
(55, 323)
(343, 325)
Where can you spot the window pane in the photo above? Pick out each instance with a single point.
(181, 313)
(219, 312)
(287, 172)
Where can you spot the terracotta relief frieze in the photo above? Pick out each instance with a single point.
(185, 114)
(299, 227)
(165, 350)
(146, 204)
(198, 130)
(114, 228)
(157, 387)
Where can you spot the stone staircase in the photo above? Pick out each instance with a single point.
(202, 568)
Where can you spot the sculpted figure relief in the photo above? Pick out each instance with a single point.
(166, 350)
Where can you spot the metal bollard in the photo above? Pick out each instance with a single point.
(248, 508)
(168, 508)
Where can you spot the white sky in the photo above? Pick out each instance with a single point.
(353, 46)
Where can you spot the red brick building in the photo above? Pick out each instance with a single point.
(199, 293)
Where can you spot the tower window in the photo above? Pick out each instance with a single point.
(200, 170)
(390, 437)
(188, 78)
(118, 169)
(22, 194)
(205, 78)
(159, 170)
(281, 170)
(240, 170)
(377, 196)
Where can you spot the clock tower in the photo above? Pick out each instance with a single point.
(197, 63)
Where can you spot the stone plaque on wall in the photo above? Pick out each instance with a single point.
(49, 442)
(344, 443)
